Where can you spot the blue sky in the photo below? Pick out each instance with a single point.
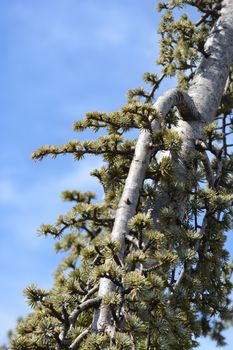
(59, 59)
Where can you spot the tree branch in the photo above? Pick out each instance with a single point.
(129, 199)
(79, 339)
(84, 306)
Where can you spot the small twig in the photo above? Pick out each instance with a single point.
(79, 339)
(153, 268)
(53, 311)
(91, 291)
(95, 302)
(201, 20)
(118, 261)
(208, 169)
(132, 240)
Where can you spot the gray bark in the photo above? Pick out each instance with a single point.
(129, 199)
(197, 108)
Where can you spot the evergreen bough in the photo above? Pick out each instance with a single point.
(147, 267)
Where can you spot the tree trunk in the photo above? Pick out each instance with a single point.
(196, 111)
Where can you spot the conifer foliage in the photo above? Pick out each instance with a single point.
(147, 267)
